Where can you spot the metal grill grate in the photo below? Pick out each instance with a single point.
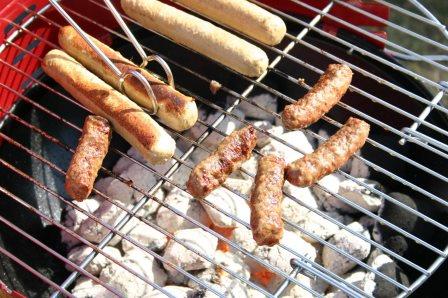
(432, 139)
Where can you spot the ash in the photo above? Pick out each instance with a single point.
(177, 232)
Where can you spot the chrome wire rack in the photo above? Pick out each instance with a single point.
(416, 128)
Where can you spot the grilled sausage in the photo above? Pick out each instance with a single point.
(327, 92)
(330, 155)
(126, 117)
(242, 16)
(88, 157)
(199, 35)
(175, 109)
(214, 170)
(266, 201)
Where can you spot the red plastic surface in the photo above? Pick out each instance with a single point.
(16, 13)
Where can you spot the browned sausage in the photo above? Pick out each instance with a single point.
(214, 170)
(329, 156)
(176, 110)
(327, 92)
(89, 154)
(266, 201)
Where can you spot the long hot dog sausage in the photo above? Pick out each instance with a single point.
(199, 35)
(243, 16)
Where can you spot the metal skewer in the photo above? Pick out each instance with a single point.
(122, 76)
(145, 58)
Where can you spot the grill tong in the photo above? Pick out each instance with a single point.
(122, 76)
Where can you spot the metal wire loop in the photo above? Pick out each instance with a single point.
(145, 84)
(145, 59)
(165, 66)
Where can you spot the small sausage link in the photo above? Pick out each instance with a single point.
(327, 92)
(88, 157)
(266, 201)
(214, 170)
(329, 156)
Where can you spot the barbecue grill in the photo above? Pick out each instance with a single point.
(406, 152)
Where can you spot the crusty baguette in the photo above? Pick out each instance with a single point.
(127, 118)
(175, 109)
(242, 16)
(199, 35)
(88, 157)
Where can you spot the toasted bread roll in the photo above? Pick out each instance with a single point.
(331, 155)
(327, 92)
(88, 157)
(198, 35)
(175, 109)
(266, 201)
(126, 117)
(242, 16)
(214, 170)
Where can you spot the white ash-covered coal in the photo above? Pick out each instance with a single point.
(313, 217)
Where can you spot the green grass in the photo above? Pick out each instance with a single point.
(440, 9)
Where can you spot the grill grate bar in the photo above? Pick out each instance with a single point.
(214, 124)
(419, 281)
(296, 149)
(363, 210)
(365, 116)
(419, 135)
(99, 221)
(354, 205)
(52, 252)
(60, 171)
(373, 36)
(353, 47)
(213, 128)
(291, 58)
(142, 219)
(338, 250)
(270, 89)
(372, 76)
(428, 14)
(441, 201)
(32, 270)
(423, 115)
(392, 25)
(412, 14)
(181, 213)
(372, 189)
(380, 80)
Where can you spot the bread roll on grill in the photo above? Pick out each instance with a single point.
(198, 35)
(126, 117)
(242, 16)
(175, 109)
(88, 157)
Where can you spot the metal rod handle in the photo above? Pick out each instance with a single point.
(145, 58)
(122, 76)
